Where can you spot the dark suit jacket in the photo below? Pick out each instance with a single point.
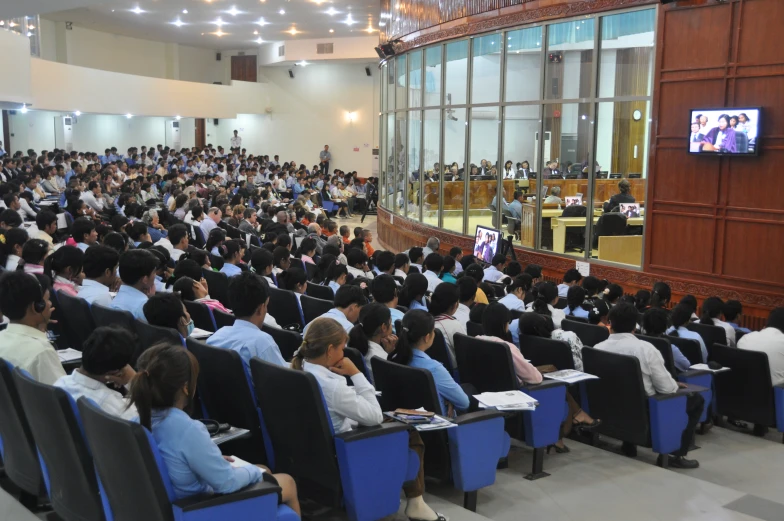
(548, 172)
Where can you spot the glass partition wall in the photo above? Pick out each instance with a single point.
(540, 131)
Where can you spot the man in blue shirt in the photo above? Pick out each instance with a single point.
(249, 299)
(348, 303)
(516, 206)
(138, 269)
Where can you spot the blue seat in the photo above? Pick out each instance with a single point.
(78, 321)
(149, 335)
(135, 483)
(362, 469)
(440, 352)
(628, 414)
(201, 314)
(488, 367)
(466, 455)
(288, 341)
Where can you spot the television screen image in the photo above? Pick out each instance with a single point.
(486, 243)
(575, 200)
(730, 131)
(630, 209)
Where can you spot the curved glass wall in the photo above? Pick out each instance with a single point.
(529, 130)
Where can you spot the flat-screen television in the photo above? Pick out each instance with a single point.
(487, 242)
(728, 131)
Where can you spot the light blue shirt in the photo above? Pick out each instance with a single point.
(335, 314)
(82, 246)
(512, 302)
(396, 315)
(681, 362)
(95, 293)
(194, 462)
(514, 329)
(415, 304)
(334, 285)
(446, 386)
(249, 341)
(298, 189)
(230, 270)
(579, 312)
(492, 274)
(516, 209)
(691, 335)
(130, 299)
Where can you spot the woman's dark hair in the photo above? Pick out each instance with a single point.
(164, 310)
(655, 321)
(334, 271)
(661, 295)
(163, 370)
(65, 257)
(690, 301)
(711, 309)
(414, 288)
(229, 249)
(280, 254)
(513, 269)
(13, 237)
(680, 316)
(575, 297)
(642, 300)
(544, 294)
(291, 278)
(307, 245)
(477, 312)
(33, 252)
(416, 324)
(107, 349)
(216, 236)
(260, 260)
(613, 293)
(475, 271)
(443, 299)
(184, 286)
(116, 241)
(494, 319)
(591, 285)
(448, 266)
(371, 318)
(599, 310)
(534, 324)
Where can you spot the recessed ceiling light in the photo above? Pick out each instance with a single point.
(255, 33)
(349, 20)
(302, 63)
(282, 11)
(293, 31)
(129, 116)
(77, 113)
(178, 22)
(332, 30)
(23, 110)
(184, 11)
(112, 10)
(177, 118)
(31, 27)
(233, 11)
(11, 24)
(29, 34)
(137, 10)
(262, 22)
(382, 24)
(259, 40)
(218, 33)
(369, 29)
(331, 11)
(219, 22)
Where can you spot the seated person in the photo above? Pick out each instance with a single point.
(434, 264)
(541, 324)
(232, 252)
(467, 288)
(100, 266)
(164, 386)
(495, 322)
(374, 334)
(417, 257)
(281, 259)
(197, 291)
(770, 341)
(571, 277)
(402, 263)
(514, 296)
(83, 232)
(138, 269)
(576, 304)
(178, 237)
(321, 355)
(106, 359)
(167, 310)
(679, 317)
(554, 197)
(412, 294)
(335, 274)
(545, 296)
(24, 300)
(624, 195)
(443, 305)
(294, 279)
(349, 300)
(732, 311)
(384, 291)
(711, 316)
(358, 264)
(261, 262)
(655, 377)
(494, 272)
(64, 266)
(654, 323)
(249, 298)
(476, 272)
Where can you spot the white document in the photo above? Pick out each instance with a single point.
(583, 267)
(200, 334)
(570, 376)
(704, 367)
(436, 423)
(69, 355)
(238, 462)
(507, 401)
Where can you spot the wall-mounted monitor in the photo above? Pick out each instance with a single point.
(487, 242)
(728, 131)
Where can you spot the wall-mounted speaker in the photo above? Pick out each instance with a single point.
(217, 56)
(215, 121)
(367, 71)
(385, 50)
(291, 74)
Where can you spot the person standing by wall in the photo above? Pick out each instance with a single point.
(325, 156)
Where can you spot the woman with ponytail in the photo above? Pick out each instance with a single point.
(11, 242)
(642, 300)
(412, 294)
(64, 267)
(711, 315)
(294, 279)
(215, 239)
(545, 297)
(231, 251)
(34, 253)
(335, 274)
(321, 354)
(495, 322)
(162, 390)
(576, 304)
(660, 295)
(307, 250)
(373, 335)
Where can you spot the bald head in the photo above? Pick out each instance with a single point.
(282, 217)
(314, 228)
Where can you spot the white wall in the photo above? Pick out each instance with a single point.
(15, 61)
(360, 47)
(200, 65)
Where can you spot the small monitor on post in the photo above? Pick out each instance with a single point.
(573, 200)
(487, 243)
(630, 209)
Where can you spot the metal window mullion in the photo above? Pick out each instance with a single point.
(441, 131)
(501, 132)
(540, 160)
(422, 134)
(467, 144)
(592, 136)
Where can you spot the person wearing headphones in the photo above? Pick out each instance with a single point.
(25, 301)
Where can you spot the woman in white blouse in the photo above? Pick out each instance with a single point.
(545, 297)
(711, 313)
(373, 335)
(321, 354)
(443, 305)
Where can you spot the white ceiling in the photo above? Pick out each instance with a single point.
(310, 18)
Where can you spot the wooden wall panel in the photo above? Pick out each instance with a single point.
(680, 98)
(696, 41)
(763, 21)
(684, 242)
(749, 92)
(684, 178)
(765, 241)
(767, 177)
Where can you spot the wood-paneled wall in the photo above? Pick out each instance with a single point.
(717, 220)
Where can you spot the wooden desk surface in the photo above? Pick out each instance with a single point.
(580, 221)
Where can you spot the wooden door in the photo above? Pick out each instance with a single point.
(200, 133)
(243, 68)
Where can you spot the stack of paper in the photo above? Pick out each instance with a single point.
(436, 423)
(69, 355)
(238, 462)
(507, 401)
(200, 334)
(231, 434)
(570, 376)
(705, 367)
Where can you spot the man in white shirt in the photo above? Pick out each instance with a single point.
(467, 288)
(325, 156)
(494, 273)
(178, 236)
(571, 278)
(236, 141)
(433, 243)
(434, 264)
(106, 358)
(655, 377)
(348, 303)
(24, 343)
(771, 342)
(100, 271)
(92, 197)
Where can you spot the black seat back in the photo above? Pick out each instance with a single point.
(113, 317)
(216, 261)
(78, 322)
(299, 430)
(313, 308)
(618, 397)
(561, 304)
(663, 346)
(439, 351)
(201, 315)
(500, 289)
(311, 270)
(149, 335)
(474, 329)
(710, 334)
(357, 359)
(485, 364)
(57, 324)
(546, 351)
(51, 414)
(609, 224)
(227, 397)
(19, 452)
(320, 292)
(288, 341)
(126, 466)
(589, 334)
(283, 305)
(219, 286)
(690, 348)
(223, 319)
(746, 391)
(575, 210)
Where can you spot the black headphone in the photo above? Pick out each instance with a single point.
(40, 304)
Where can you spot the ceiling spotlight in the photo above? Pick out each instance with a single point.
(369, 29)
(77, 113)
(11, 24)
(255, 33)
(331, 11)
(262, 22)
(259, 40)
(332, 30)
(129, 116)
(233, 11)
(219, 22)
(382, 24)
(282, 11)
(302, 63)
(177, 118)
(137, 10)
(23, 110)
(2, 23)
(31, 27)
(29, 34)
(218, 33)
(293, 31)
(184, 11)
(349, 20)
(178, 22)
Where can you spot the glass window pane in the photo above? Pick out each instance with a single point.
(401, 81)
(622, 155)
(389, 161)
(415, 79)
(484, 177)
(523, 64)
(382, 165)
(389, 84)
(432, 165)
(521, 129)
(454, 158)
(433, 76)
(400, 160)
(456, 72)
(565, 147)
(486, 72)
(626, 65)
(414, 144)
(569, 60)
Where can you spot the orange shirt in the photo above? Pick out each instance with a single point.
(370, 249)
